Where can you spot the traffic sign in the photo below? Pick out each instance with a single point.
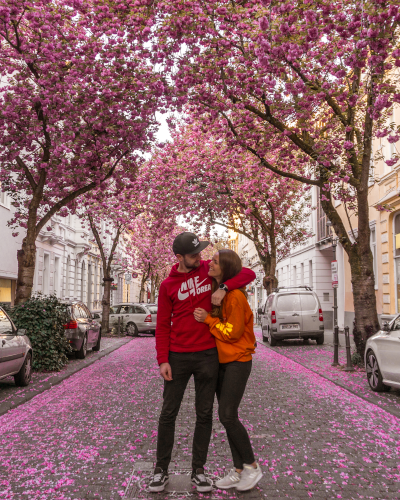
(134, 275)
(335, 275)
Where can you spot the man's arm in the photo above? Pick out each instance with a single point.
(242, 279)
(163, 328)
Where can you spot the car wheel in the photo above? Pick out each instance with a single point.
(264, 337)
(97, 346)
(132, 330)
(374, 374)
(81, 354)
(272, 342)
(320, 339)
(23, 377)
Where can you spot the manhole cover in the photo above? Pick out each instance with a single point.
(179, 486)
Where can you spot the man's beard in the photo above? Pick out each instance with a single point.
(192, 266)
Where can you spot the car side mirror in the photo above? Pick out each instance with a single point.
(386, 327)
(259, 310)
(21, 331)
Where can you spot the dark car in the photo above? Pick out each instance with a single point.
(15, 351)
(82, 330)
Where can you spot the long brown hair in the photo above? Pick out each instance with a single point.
(231, 265)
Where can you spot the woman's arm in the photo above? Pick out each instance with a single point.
(232, 328)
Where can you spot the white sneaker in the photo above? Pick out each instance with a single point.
(229, 481)
(249, 477)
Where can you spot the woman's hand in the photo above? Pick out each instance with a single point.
(200, 314)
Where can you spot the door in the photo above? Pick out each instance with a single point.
(126, 314)
(114, 316)
(140, 315)
(93, 327)
(309, 312)
(389, 353)
(82, 320)
(266, 315)
(12, 347)
(288, 313)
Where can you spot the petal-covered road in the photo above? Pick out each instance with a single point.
(82, 438)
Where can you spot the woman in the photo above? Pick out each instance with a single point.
(232, 326)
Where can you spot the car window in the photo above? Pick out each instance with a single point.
(79, 312)
(308, 302)
(88, 314)
(114, 309)
(152, 309)
(126, 310)
(96, 316)
(288, 302)
(269, 303)
(396, 324)
(5, 324)
(139, 310)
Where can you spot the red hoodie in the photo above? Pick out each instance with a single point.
(180, 294)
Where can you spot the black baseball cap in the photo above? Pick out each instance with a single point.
(188, 243)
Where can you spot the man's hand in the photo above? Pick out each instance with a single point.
(165, 371)
(200, 314)
(217, 297)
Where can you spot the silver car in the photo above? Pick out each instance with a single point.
(135, 317)
(82, 330)
(290, 313)
(15, 351)
(382, 357)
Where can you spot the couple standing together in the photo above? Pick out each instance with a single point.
(205, 329)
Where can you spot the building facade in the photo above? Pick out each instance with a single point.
(68, 262)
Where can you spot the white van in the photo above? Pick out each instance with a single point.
(292, 313)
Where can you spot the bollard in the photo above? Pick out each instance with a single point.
(349, 366)
(335, 346)
(118, 326)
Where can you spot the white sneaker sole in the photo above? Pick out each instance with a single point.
(202, 489)
(226, 487)
(157, 489)
(251, 485)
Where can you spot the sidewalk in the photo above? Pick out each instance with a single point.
(12, 396)
(319, 360)
(94, 436)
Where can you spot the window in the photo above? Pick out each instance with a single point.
(310, 274)
(302, 274)
(46, 273)
(5, 290)
(288, 303)
(308, 302)
(326, 296)
(139, 310)
(323, 231)
(294, 280)
(5, 324)
(114, 309)
(152, 309)
(374, 255)
(397, 257)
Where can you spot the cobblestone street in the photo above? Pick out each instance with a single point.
(94, 435)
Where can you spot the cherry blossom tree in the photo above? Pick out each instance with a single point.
(77, 103)
(151, 250)
(208, 183)
(315, 80)
(110, 214)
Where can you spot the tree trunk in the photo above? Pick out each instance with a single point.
(26, 258)
(105, 321)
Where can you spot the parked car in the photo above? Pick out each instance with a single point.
(135, 317)
(382, 357)
(290, 313)
(15, 351)
(97, 315)
(82, 330)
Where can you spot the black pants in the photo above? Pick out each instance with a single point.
(232, 380)
(203, 366)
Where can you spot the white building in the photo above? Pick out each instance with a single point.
(67, 262)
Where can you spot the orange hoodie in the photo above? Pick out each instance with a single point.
(235, 335)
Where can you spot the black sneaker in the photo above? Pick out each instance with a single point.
(159, 481)
(201, 482)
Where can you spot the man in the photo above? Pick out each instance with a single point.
(186, 347)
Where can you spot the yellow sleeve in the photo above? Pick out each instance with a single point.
(232, 329)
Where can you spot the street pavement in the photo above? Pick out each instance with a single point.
(12, 396)
(94, 435)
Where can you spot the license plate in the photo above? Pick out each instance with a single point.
(290, 327)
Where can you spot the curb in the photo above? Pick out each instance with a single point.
(373, 400)
(56, 379)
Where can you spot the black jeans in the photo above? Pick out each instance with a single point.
(203, 366)
(232, 380)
